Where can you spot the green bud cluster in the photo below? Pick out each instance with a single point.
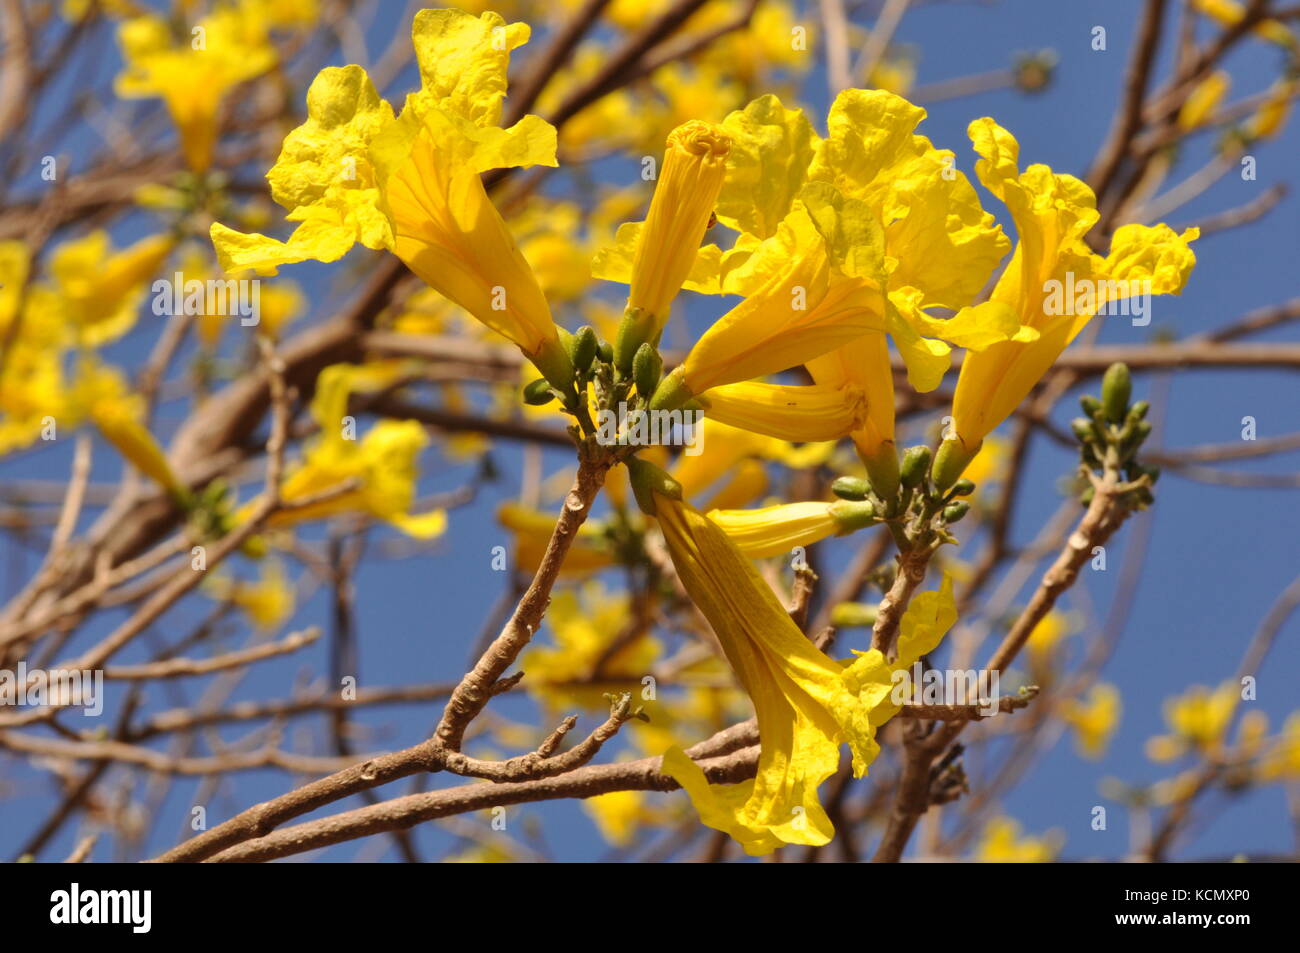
(1112, 431)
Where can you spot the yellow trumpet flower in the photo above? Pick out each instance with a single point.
(1054, 285)
(354, 173)
(1095, 719)
(776, 530)
(807, 704)
(802, 413)
(695, 163)
(194, 74)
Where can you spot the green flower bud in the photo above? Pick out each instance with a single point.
(605, 352)
(1139, 410)
(1084, 430)
(953, 512)
(585, 345)
(647, 366)
(539, 392)
(1091, 405)
(1116, 390)
(950, 461)
(963, 487)
(851, 488)
(916, 464)
(1086, 496)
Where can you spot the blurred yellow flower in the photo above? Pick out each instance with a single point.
(1094, 720)
(1003, 843)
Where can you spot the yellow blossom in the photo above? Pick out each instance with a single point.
(1052, 214)
(1003, 843)
(1228, 13)
(1095, 719)
(1204, 100)
(412, 184)
(1197, 719)
(194, 72)
(803, 413)
(776, 530)
(268, 602)
(807, 705)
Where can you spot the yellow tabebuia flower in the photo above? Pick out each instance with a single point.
(268, 602)
(667, 243)
(1094, 720)
(802, 413)
(1282, 760)
(101, 395)
(412, 184)
(807, 704)
(375, 475)
(1003, 843)
(1271, 117)
(618, 815)
(1045, 640)
(589, 552)
(591, 655)
(96, 291)
(1053, 284)
(725, 451)
(776, 530)
(1198, 720)
(1204, 100)
(193, 73)
(1229, 12)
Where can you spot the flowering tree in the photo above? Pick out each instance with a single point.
(776, 564)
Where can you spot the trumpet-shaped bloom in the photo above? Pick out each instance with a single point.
(1095, 720)
(774, 530)
(1198, 721)
(194, 74)
(693, 168)
(96, 291)
(806, 413)
(354, 173)
(375, 475)
(807, 705)
(1052, 214)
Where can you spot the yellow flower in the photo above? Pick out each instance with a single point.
(774, 530)
(1046, 638)
(1198, 720)
(101, 395)
(807, 704)
(1003, 843)
(194, 73)
(532, 531)
(268, 602)
(592, 654)
(667, 243)
(1204, 100)
(1283, 759)
(1095, 720)
(1052, 214)
(1228, 12)
(1272, 115)
(618, 815)
(375, 475)
(95, 290)
(353, 173)
(804, 413)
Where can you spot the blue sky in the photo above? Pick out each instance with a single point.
(1217, 559)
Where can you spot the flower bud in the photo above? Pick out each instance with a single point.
(963, 488)
(916, 463)
(539, 392)
(953, 512)
(851, 488)
(585, 345)
(1116, 390)
(647, 366)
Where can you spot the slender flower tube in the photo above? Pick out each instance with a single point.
(799, 413)
(775, 530)
(694, 166)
